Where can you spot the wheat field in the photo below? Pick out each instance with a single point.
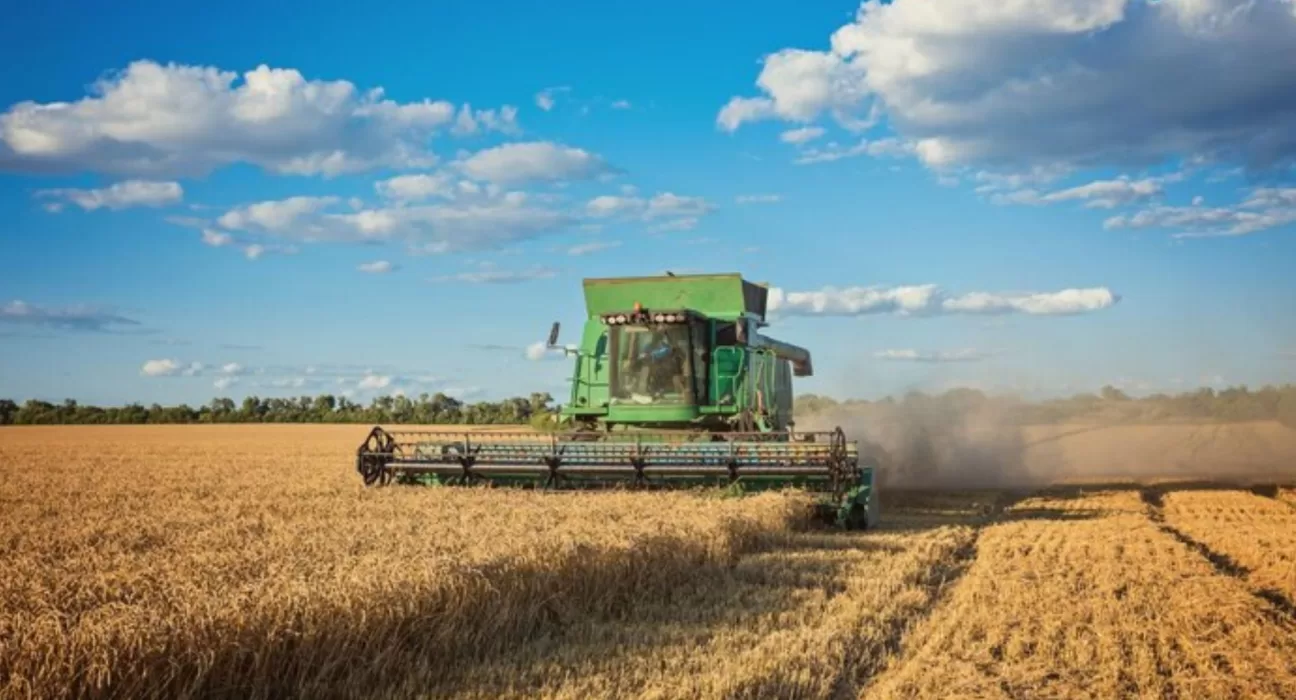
(248, 561)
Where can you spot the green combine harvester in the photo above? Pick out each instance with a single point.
(673, 386)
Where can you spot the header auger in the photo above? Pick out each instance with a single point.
(673, 386)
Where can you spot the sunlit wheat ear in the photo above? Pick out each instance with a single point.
(236, 561)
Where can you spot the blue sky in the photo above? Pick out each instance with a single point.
(1040, 198)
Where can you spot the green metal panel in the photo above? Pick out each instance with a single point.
(630, 413)
(590, 373)
(725, 296)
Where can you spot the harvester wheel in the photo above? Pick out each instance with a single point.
(863, 517)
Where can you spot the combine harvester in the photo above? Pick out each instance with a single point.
(673, 386)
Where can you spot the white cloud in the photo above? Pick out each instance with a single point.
(256, 251)
(274, 215)
(802, 135)
(741, 109)
(477, 220)
(491, 276)
(1265, 208)
(121, 195)
(372, 382)
(413, 188)
(215, 238)
(621, 104)
(910, 355)
(1082, 82)
(880, 148)
(929, 300)
(377, 267)
(232, 368)
(612, 205)
(592, 247)
(469, 121)
(672, 212)
(758, 198)
(180, 119)
(533, 161)
(547, 98)
(73, 318)
(170, 368)
(159, 368)
(1099, 194)
(224, 383)
(668, 204)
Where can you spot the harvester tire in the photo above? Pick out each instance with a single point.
(863, 517)
(873, 511)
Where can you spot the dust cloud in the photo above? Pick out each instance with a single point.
(928, 443)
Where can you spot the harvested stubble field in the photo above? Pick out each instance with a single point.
(247, 561)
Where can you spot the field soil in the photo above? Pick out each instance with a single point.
(249, 561)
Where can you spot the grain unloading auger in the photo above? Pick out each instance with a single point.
(673, 386)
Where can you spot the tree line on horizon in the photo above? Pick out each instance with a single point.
(323, 408)
(1109, 404)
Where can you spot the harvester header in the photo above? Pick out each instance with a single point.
(673, 384)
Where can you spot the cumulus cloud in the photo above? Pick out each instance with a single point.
(533, 161)
(613, 205)
(169, 368)
(180, 119)
(621, 104)
(910, 355)
(274, 215)
(377, 267)
(232, 368)
(73, 318)
(477, 219)
(930, 300)
(1052, 81)
(412, 188)
(159, 368)
(469, 121)
(493, 276)
(121, 195)
(224, 383)
(1265, 208)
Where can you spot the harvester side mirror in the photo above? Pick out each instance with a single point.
(553, 335)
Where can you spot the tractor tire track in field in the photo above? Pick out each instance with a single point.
(1281, 606)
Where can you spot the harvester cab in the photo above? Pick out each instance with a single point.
(673, 385)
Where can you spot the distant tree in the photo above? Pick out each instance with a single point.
(1111, 393)
(8, 409)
